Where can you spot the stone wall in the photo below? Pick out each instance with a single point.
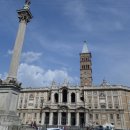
(16, 128)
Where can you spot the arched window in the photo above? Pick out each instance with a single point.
(56, 97)
(64, 95)
(73, 97)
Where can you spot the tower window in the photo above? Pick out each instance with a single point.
(83, 66)
(87, 67)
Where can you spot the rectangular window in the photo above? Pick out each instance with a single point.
(19, 114)
(118, 116)
(115, 99)
(73, 118)
(23, 115)
(96, 116)
(129, 107)
(115, 92)
(47, 118)
(111, 116)
(109, 99)
(55, 118)
(95, 100)
(89, 100)
(90, 116)
(109, 93)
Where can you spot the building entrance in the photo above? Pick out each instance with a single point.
(81, 119)
(55, 118)
(73, 119)
(64, 117)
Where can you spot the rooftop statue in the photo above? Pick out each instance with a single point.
(26, 5)
(28, 2)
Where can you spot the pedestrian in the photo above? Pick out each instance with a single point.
(35, 125)
(31, 124)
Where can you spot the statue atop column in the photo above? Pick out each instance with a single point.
(27, 3)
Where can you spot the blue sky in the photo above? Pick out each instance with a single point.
(54, 39)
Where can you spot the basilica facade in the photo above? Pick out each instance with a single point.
(79, 105)
(61, 105)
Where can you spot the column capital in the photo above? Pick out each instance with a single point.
(24, 15)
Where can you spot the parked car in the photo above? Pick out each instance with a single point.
(99, 128)
(54, 129)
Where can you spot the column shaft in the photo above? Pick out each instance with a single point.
(38, 116)
(77, 119)
(59, 118)
(17, 50)
(69, 119)
(69, 98)
(50, 118)
(77, 97)
(43, 118)
(86, 119)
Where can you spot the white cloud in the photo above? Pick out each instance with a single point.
(3, 76)
(0, 76)
(34, 76)
(10, 52)
(28, 57)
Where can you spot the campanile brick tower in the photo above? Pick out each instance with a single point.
(85, 67)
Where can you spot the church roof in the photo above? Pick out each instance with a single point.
(85, 48)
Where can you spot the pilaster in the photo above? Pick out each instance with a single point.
(69, 117)
(77, 119)
(50, 118)
(43, 118)
(86, 119)
(38, 118)
(59, 118)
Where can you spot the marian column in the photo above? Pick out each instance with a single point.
(10, 88)
(24, 16)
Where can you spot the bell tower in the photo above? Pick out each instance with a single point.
(85, 67)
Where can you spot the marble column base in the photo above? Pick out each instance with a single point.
(8, 105)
